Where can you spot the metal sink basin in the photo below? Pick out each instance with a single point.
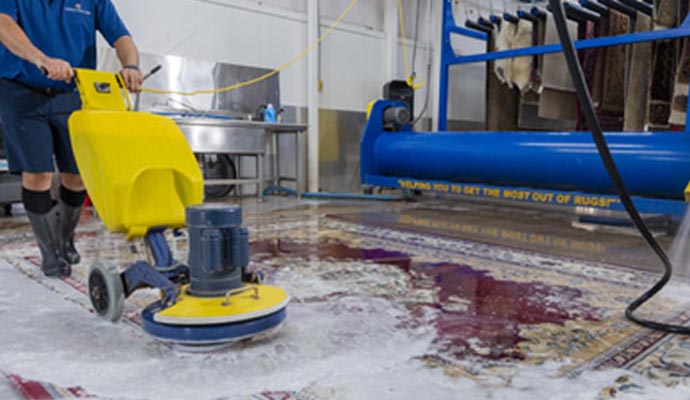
(219, 135)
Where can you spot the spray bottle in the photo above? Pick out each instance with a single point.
(270, 113)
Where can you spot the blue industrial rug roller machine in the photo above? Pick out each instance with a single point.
(557, 168)
(144, 180)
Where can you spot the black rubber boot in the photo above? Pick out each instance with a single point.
(45, 228)
(68, 220)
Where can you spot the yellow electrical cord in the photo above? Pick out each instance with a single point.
(408, 71)
(268, 74)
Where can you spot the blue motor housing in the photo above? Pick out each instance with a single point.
(218, 249)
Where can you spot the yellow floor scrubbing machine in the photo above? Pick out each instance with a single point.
(143, 179)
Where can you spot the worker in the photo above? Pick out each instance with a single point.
(41, 41)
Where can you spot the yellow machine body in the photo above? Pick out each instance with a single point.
(137, 167)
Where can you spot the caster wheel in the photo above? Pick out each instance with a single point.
(106, 290)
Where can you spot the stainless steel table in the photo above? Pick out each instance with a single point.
(242, 138)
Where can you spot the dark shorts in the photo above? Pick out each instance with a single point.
(35, 131)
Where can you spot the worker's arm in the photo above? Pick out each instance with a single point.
(15, 40)
(129, 58)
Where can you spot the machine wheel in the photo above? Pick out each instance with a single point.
(217, 166)
(106, 290)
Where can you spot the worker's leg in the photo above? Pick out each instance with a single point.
(43, 215)
(72, 193)
(29, 145)
(36, 192)
(72, 182)
(38, 182)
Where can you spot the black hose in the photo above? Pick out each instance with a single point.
(428, 67)
(585, 100)
(416, 38)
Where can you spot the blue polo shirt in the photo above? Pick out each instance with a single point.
(64, 29)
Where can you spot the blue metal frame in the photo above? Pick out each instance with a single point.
(162, 275)
(162, 256)
(450, 58)
(141, 275)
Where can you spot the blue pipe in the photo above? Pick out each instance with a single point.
(350, 196)
(279, 190)
(651, 164)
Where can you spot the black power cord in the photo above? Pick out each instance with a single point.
(428, 64)
(585, 100)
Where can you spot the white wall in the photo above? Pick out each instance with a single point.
(268, 33)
